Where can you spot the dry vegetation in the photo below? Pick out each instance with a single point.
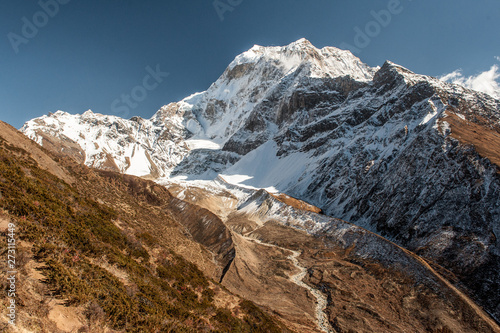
(296, 203)
(484, 138)
(104, 252)
(100, 262)
(363, 295)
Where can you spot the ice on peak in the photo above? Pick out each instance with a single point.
(304, 44)
(254, 54)
(58, 113)
(399, 68)
(194, 98)
(250, 56)
(256, 48)
(301, 42)
(89, 113)
(328, 61)
(390, 72)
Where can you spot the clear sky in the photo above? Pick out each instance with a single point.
(87, 54)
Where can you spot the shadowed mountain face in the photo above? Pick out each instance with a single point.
(101, 251)
(404, 155)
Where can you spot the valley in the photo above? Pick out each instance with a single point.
(303, 191)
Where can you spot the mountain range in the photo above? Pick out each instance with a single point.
(376, 172)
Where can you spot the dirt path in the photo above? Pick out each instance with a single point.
(321, 301)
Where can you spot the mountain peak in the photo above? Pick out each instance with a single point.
(300, 43)
(88, 112)
(385, 148)
(391, 73)
(391, 65)
(325, 62)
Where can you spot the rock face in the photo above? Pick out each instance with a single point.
(356, 279)
(135, 147)
(208, 230)
(405, 155)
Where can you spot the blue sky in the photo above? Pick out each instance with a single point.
(88, 54)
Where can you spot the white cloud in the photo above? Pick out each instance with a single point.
(487, 82)
(453, 77)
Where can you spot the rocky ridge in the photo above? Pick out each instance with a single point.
(384, 148)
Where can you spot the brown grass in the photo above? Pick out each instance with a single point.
(296, 203)
(485, 139)
(128, 277)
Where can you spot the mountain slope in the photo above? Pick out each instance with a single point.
(124, 244)
(110, 265)
(383, 148)
(340, 265)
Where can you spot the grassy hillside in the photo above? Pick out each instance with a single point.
(96, 256)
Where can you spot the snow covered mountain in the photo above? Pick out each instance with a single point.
(253, 93)
(405, 155)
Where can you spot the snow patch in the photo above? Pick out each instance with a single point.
(202, 144)
(139, 163)
(262, 168)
